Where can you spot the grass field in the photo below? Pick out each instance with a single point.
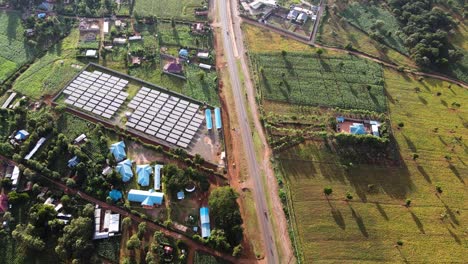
(333, 81)
(180, 36)
(49, 74)
(182, 9)
(333, 31)
(15, 51)
(372, 18)
(367, 229)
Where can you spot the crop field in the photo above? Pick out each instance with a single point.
(202, 88)
(308, 79)
(15, 51)
(180, 36)
(372, 18)
(367, 228)
(182, 9)
(48, 74)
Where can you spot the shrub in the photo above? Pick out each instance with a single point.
(327, 191)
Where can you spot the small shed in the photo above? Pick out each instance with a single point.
(118, 150)
(181, 195)
(119, 41)
(183, 53)
(203, 55)
(124, 168)
(91, 53)
(21, 135)
(173, 67)
(143, 172)
(205, 222)
(73, 162)
(205, 66)
(41, 15)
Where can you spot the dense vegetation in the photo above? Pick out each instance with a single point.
(308, 79)
(426, 32)
(183, 9)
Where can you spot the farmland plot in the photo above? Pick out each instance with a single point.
(305, 79)
(179, 9)
(15, 51)
(180, 36)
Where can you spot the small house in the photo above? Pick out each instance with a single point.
(157, 176)
(357, 129)
(292, 15)
(119, 41)
(91, 53)
(30, 32)
(79, 139)
(21, 135)
(73, 162)
(202, 13)
(173, 67)
(41, 15)
(203, 55)
(124, 168)
(302, 18)
(105, 27)
(15, 176)
(118, 150)
(180, 195)
(183, 53)
(143, 172)
(134, 38)
(205, 66)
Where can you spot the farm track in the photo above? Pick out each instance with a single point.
(360, 54)
(151, 226)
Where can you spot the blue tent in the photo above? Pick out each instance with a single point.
(146, 198)
(357, 129)
(205, 221)
(183, 53)
(144, 172)
(41, 15)
(118, 150)
(124, 168)
(115, 195)
(73, 162)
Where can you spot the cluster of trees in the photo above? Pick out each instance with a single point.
(89, 8)
(425, 28)
(226, 216)
(48, 30)
(177, 179)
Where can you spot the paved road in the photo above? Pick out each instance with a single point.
(317, 22)
(230, 49)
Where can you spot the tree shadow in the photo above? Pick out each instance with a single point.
(456, 173)
(289, 66)
(443, 102)
(359, 222)
(450, 213)
(382, 211)
(418, 222)
(442, 140)
(424, 101)
(410, 144)
(455, 236)
(13, 22)
(338, 217)
(424, 173)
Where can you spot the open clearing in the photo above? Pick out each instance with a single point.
(15, 51)
(306, 79)
(182, 9)
(366, 229)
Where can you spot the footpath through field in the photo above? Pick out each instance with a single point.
(151, 226)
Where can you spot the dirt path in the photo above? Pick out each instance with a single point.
(362, 55)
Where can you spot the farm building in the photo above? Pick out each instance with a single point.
(143, 172)
(35, 149)
(119, 41)
(80, 139)
(15, 176)
(203, 55)
(173, 67)
(205, 66)
(91, 53)
(259, 3)
(217, 112)
(105, 27)
(21, 135)
(115, 195)
(118, 150)
(149, 198)
(357, 126)
(9, 100)
(157, 176)
(205, 222)
(209, 120)
(124, 168)
(73, 162)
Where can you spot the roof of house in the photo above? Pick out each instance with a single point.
(205, 222)
(21, 135)
(173, 67)
(146, 198)
(144, 172)
(203, 55)
(124, 168)
(357, 129)
(183, 53)
(118, 150)
(302, 16)
(73, 162)
(91, 53)
(115, 195)
(157, 176)
(181, 195)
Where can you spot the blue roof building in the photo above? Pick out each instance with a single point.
(357, 129)
(205, 222)
(124, 168)
(146, 198)
(143, 172)
(41, 15)
(115, 195)
(183, 53)
(157, 176)
(181, 195)
(209, 121)
(340, 119)
(22, 135)
(118, 150)
(217, 112)
(73, 162)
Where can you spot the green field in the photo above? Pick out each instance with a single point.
(15, 50)
(181, 9)
(367, 228)
(308, 79)
(49, 74)
(180, 36)
(374, 19)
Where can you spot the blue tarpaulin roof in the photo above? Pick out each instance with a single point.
(41, 15)
(205, 222)
(115, 195)
(183, 53)
(73, 162)
(340, 119)
(217, 112)
(144, 172)
(209, 121)
(357, 129)
(118, 150)
(21, 135)
(124, 168)
(181, 195)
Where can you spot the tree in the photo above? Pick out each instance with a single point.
(408, 202)
(133, 243)
(439, 189)
(327, 191)
(24, 235)
(76, 243)
(41, 214)
(237, 251)
(16, 198)
(226, 214)
(141, 230)
(349, 196)
(218, 240)
(126, 222)
(319, 52)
